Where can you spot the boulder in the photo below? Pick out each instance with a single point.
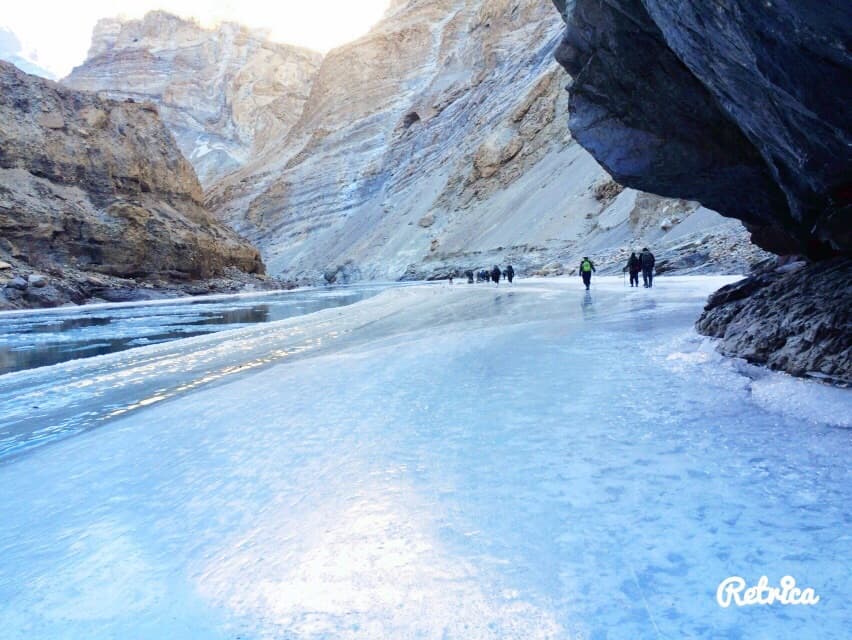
(12, 294)
(550, 269)
(342, 274)
(46, 296)
(36, 280)
(17, 283)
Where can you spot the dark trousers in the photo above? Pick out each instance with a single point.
(587, 278)
(648, 276)
(634, 278)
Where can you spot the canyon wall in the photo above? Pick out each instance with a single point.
(99, 185)
(222, 92)
(440, 141)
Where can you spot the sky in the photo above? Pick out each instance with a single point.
(53, 36)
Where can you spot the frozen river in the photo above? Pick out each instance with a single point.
(30, 339)
(433, 462)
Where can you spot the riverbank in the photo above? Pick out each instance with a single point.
(25, 287)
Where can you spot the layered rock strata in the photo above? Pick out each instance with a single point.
(795, 317)
(99, 185)
(439, 141)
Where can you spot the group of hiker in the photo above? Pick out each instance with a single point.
(489, 275)
(643, 263)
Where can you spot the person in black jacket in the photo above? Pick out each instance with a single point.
(495, 274)
(634, 266)
(510, 274)
(647, 260)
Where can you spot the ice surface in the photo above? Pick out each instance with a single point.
(438, 462)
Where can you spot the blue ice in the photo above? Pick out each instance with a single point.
(482, 462)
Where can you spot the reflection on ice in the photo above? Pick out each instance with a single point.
(373, 567)
(40, 338)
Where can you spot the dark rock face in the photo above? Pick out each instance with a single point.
(742, 105)
(797, 320)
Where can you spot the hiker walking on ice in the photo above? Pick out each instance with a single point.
(495, 274)
(647, 260)
(634, 266)
(510, 274)
(587, 267)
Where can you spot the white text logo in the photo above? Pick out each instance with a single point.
(733, 590)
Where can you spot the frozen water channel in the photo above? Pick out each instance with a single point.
(434, 462)
(30, 339)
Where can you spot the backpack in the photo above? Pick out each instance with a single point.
(586, 266)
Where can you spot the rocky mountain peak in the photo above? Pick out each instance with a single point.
(223, 92)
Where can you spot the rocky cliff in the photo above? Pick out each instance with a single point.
(796, 317)
(439, 141)
(99, 185)
(222, 92)
(746, 107)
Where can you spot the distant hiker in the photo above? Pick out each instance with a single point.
(469, 274)
(647, 260)
(451, 276)
(634, 266)
(510, 274)
(586, 269)
(495, 274)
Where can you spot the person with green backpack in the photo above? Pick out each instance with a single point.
(586, 269)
